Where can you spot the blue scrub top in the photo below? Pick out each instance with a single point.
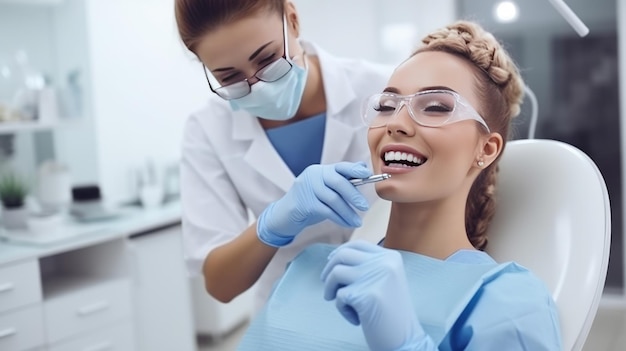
(299, 144)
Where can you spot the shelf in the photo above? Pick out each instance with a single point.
(60, 285)
(25, 126)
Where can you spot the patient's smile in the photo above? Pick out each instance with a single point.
(402, 159)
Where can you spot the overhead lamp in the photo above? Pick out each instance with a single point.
(506, 11)
(570, 17)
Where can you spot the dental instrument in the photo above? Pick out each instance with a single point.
(570, 17)
(370, 179)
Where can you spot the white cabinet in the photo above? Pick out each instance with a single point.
(164, 319)
(19, 285)
(21, 323)
(79, 299)
(85, 291)
(117, 337)
(88, 308)
(22, 329)
(124, 290)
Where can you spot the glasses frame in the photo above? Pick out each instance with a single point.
(466, 112)
(285, 57)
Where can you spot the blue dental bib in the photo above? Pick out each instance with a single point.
(297, 317)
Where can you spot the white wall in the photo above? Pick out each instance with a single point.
(352, 28)
(145, 85)
(74, 138)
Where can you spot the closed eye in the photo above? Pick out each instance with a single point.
(267, 60)
(381, 108)
(437, 108)
(231, 78)
(385, 104)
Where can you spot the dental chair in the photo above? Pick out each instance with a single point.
(553, 217)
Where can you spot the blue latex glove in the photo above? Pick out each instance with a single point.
(369, 285)
(320, 192)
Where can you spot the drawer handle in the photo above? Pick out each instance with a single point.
(6, 287)
(93, 308)
(7, 332)
(100, 347)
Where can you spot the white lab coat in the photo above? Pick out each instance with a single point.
(229, 165)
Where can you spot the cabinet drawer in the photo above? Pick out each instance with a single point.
(115, 338)
(22, 329)
(20, 285)
(86, 309)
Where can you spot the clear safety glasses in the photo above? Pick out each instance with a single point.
(431, 108)
(269, 73)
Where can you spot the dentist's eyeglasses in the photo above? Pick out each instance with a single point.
(269, 73)
(431, 108)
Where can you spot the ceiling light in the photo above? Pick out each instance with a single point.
(506, 11)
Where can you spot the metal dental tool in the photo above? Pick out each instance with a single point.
(372, 179)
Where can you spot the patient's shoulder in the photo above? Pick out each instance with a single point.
(514, 284)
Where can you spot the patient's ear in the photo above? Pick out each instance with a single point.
(492, 147)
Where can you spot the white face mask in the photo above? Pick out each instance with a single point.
(279, 100)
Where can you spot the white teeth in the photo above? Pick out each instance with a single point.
(403, 156)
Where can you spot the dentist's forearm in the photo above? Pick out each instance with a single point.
(233, 268)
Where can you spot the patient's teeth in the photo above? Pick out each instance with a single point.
(391, 156)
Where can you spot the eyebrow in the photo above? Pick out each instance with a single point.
(436, 87)
(258, 51)
(252, 57)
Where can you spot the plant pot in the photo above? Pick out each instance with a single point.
(14, 217)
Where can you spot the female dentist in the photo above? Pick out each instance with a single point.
(278, 105)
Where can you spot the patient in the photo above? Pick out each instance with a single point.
(439, 129)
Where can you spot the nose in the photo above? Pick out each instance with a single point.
(401, 122)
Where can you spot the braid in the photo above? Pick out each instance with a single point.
(481, 206)
(500, 89)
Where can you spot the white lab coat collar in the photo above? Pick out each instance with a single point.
(339, 94)
(335, 79)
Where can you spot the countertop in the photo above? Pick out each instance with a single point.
(135, 221)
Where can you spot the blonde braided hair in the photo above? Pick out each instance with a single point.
(500, 89)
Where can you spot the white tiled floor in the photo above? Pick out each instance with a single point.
(608, 333)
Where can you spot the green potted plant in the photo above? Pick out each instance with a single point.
(13, 192)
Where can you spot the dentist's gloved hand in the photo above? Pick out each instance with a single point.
(369, 286)
(320, 192)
